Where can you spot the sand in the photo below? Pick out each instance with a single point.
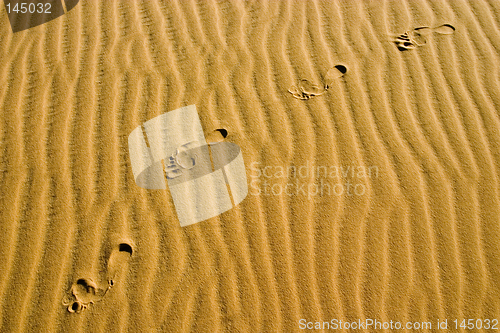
(376, 197)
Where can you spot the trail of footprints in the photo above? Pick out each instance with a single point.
(305, 89)
(85, 291)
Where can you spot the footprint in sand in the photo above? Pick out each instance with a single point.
(85, 291)
(117, 260)
(417, 37)
(304, 89)
(182, 159)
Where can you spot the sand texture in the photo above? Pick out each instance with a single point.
(410, 116)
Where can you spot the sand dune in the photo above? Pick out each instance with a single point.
(416, 240)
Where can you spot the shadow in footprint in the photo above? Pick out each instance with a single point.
(217, 136)
(124, 247)
(445, 29)
(222, 131)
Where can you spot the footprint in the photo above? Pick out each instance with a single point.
(333, 74)
(182, 159)
(406, 41)
(117, 260)
(412, 39)
(85, 291)
(305, 89)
